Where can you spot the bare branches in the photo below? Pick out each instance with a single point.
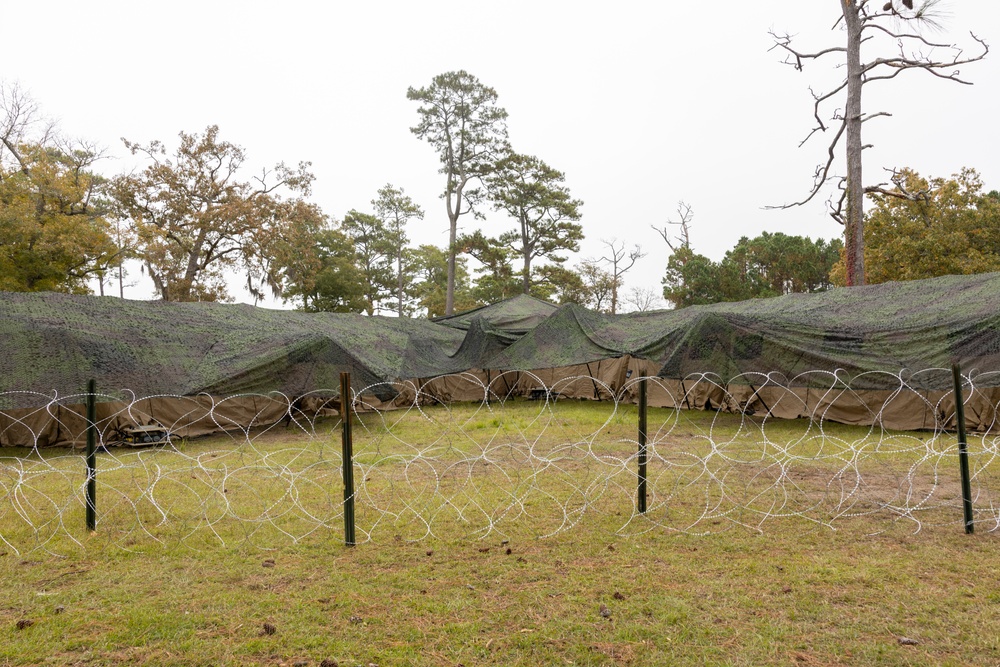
(900, 189)
(18, 114)
(822, 175)
(686, 213)
(621, 261)
(863, 22)
(793, 57)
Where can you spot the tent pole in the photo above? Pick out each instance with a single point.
(963, 451)
(756, 392)
(593, 381)
(642, 447)
(687, 403)
(91, 455)
(347, 457)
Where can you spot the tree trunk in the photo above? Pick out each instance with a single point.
(854, 231)
(399, 282)
(527, 249)
(449, 300)
(454, 211)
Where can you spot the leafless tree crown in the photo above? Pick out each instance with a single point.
(898, 22)
(685, 213)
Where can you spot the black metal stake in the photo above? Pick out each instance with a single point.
(347, 458)
(91, 455)
(642, 446)
(963, 451)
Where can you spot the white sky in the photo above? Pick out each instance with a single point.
(640, 106)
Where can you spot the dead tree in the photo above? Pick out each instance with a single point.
(621, 261)
(896, 22)
(683, 240)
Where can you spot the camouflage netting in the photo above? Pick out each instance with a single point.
(862, 333)
(516, 315)
(56, 343)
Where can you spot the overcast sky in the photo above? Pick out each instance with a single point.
(640, 106)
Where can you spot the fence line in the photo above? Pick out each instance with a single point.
(502, 465)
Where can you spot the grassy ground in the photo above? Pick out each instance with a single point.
(797, 593)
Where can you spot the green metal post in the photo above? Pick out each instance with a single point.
(91, 455)
(963, 451)
(347, 458)
(642, 446)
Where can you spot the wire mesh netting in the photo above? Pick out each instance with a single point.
(267, 469)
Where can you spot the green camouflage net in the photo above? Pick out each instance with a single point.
(57, 342)
(516, 315)
(873, 337)
(861, 333)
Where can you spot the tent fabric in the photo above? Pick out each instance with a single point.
(182, 417)
(776, 357)
(905, 410)
(866, 335)
(57, 342)
(516, 315)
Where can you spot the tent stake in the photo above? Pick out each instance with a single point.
(347, 457)
(642, 447)
(91, 455)
(963, 451)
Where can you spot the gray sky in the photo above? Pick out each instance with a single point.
(640, 106)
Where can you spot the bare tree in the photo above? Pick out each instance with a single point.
(621, 261)
(680, 248)
(643, 299)
(20, 121)
(686, 213)
(896, 23)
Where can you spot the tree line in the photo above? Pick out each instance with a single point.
(192, 217)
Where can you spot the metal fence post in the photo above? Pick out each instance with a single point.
(642, 447)
(347, 458)
(963, 451)
(91, 493)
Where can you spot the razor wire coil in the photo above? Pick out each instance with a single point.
(429, 467)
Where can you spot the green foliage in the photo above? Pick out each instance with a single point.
(691, 279)
(431, 268)
(460, 119)
(595, 288)
(194, 218)
(374, 248)
(776, 264)
(334, 283)
(395, 209)
(497, 279)
(949, 226)
(555, 282)
(533, 193)
(765, 266)
(53, 231)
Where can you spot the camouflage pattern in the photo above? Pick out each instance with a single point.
(57, 342)
(516, 315)
(862, 333)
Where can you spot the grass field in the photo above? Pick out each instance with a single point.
(754, 580)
